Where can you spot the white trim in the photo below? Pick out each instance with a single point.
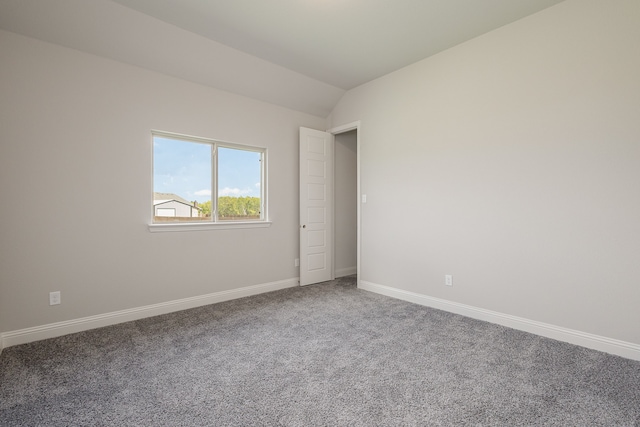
(595, 342)
(346, 271)
(204, 140)
(344, 128)
(200, 226)
(53, 330)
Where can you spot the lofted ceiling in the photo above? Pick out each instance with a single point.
(300, 54)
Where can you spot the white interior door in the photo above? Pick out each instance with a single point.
(316, 206)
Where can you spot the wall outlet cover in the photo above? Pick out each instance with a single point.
(54, 298)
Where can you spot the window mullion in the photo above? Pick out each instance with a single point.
(214, 182)
(263, 180)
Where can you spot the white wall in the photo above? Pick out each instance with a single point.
(512, 162)
(75, 132)
(346, 198)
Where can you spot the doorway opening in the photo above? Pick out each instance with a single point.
(345, 194)
(349, 134)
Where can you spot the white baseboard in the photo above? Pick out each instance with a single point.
(53, 330)
(346, 271)
(595, 342)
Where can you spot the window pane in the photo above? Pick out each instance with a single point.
(239, 182)
(181, 180)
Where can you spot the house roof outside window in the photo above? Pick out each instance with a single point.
(159, 198)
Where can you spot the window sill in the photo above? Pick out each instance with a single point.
(161, 228)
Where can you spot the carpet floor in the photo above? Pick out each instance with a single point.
(323, 355)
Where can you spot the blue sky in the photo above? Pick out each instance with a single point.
(184, 168)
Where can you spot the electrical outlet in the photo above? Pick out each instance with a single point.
(296, 262)
(448, 280)
(54, 298)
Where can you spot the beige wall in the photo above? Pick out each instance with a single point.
(512, 162)
(346, 202)
(75, 135)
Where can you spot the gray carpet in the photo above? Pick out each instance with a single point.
(323, 355)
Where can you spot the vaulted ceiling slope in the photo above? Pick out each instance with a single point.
(299, 54)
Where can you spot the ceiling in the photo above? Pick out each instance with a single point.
(300, 54)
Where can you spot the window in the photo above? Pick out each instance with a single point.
(203, 181)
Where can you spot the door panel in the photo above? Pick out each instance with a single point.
(316, 206)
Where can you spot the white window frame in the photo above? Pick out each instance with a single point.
(214, 224)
